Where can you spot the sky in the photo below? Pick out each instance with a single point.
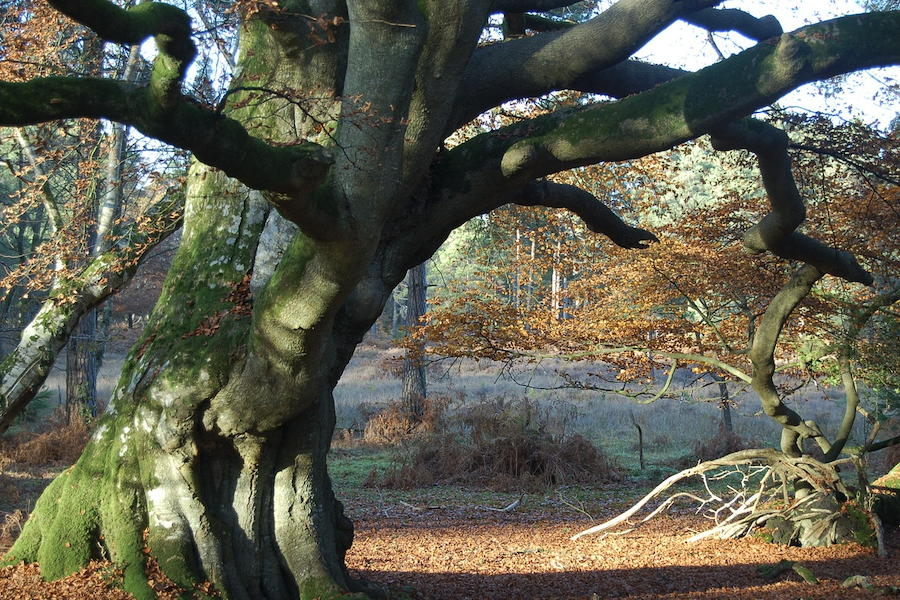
(694, 51)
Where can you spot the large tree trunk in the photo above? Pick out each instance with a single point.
(210, 460)
(203, 464)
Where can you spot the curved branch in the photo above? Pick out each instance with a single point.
(25, 369)
(218, 141)
(472, 178)
(598, 217)
(132, 26)
(762, 355)
(169, 26)
(776, 231)
(732, 19)
(742, 457)
(536, 65)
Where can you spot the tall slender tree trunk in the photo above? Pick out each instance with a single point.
(81, 371)
(724, 403)
(414, 375)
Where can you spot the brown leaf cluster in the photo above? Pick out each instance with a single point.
(546, 286)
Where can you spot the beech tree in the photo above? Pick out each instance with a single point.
(318, 180)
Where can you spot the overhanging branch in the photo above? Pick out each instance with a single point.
(689, 106)
(776, 232)
(598, 217)
(732, 19)
(536, 65)
(218, 141)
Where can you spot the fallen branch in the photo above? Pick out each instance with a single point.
(821, 516)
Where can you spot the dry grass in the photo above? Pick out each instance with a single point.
(57, 443)
(502, 444)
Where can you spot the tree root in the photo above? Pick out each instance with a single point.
(773, 571)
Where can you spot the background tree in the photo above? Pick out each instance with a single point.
(74, 182)
(414, 389)
(211, 460)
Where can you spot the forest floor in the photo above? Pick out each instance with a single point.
(449, 543)
(443, 542)
(468, 552)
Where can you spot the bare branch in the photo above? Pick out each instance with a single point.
(747, 507)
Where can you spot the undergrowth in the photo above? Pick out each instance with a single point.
(723, 443)
(502, 443)
(56, 442)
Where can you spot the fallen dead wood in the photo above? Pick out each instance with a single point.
(818, 512)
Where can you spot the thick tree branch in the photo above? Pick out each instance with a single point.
(162, 112)
(25, 369)
(762, 355)
(502, 161)
(169, 26)
(732, 19)
(134, 25)
(626, 79)
(776, 231)
(218, 141)
(536, 65)
(697, 103)
(453, 34)
(521, 6)
(598, 217)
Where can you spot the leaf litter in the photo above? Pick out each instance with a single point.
(455, 543)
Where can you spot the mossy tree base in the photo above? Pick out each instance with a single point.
(270, 528)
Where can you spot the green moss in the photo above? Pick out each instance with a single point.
(175, 558)
(423, 8)
(282, 284)
(325, 589)
(861, 525)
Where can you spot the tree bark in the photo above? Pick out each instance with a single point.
(81, 371)
(251, 509)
